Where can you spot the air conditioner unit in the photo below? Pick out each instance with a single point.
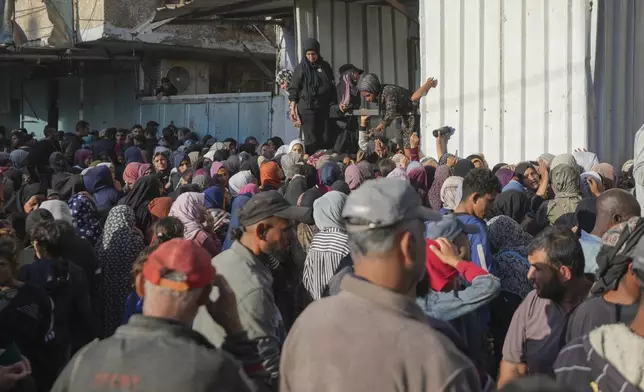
(189, 77)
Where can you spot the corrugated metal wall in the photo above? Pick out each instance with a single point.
(520, 77)
(220, 115)
(512, 75)
(375, 38)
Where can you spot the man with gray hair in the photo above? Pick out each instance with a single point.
(372, 336)
(159, 351)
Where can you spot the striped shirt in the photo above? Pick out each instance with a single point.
(327, 250)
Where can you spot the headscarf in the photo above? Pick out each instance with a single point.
(203, 180)
(145, 190)
(194, 156)
(584, 189)
(214, 169)
(514, 204)
(270, 175)
(586, 159)
(563, 159)
(250, 188)
(547, 158)
(133, 154)
(289, 161)
(34, 218)
(327, 210)
(565, 185)
(214, 197)
(443, 172)
(311, 79)
(367, 169)
(370, 83)
(322, 160)
(504, 175)
(293, 143)
(413, 165)
(444, 158)
(218, 146)
(117, 249)
(18, 158)
(477, 157)
(160, 207)
(353, 177)
(132, 172)
(607, 172)
(586, 214)
(511, 243)
(80, 156)
(618, 245)
(59, 209)
(232, 164)
(463, 167)
(58, 163)
(513, 186)
(451, 192)
(418, 178)
(341, 186)
(85, 218)
(329, 173)
(238, 181)
(178, 158)
(27, 192)
(398, 173)
(189, 209)
(627, 165)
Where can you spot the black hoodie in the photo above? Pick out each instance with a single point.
(312, 85)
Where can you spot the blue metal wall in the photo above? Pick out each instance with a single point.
(220, 115)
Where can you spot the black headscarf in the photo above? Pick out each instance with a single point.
(341, 186)
(310, 196)
(586, 214)
(145, 189)
(615, 255)
(520, 170)
(312, 78)
(514, 204)
(431, 174)
(462, 167)
(294, 190)
(34, 218)
(277, 141)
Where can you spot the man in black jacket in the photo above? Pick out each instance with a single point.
(74, 141)
(311, 94)
(158, 350)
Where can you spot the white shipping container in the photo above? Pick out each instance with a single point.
(521, 77)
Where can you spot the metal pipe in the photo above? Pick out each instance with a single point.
(57, 57)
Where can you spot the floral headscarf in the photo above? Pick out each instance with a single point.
(85, 218)
(443, 172)
(511, 243)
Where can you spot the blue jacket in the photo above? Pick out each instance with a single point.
(479, 243)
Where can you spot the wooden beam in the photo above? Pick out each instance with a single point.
(403, 10)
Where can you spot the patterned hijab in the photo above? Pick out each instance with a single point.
(85, 218)
(443, 172)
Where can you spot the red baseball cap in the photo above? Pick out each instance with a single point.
(179, 265)
(440, 274)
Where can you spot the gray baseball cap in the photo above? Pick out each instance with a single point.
(384, 202)
(449, 227)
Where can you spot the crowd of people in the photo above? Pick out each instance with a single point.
(139, 259)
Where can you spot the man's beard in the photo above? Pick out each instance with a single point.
(553, 290)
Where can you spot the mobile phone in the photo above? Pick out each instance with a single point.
(10, 355)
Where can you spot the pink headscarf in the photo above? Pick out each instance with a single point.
(214, 168)
(353, 177)
(189, 208)
(608, 173)
(249, 188)
(131, 173)
(144, 169)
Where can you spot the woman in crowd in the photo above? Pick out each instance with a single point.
(443, 172)
(100, 183)
(271, 176)
(62, 180)
(451, 193)
(565, 186)
(85, 217)
(311, 93)
(190, 209)
(161, 168)
(117, 249)
(214, 198)
(82, 160)
(143, 192)
(160, 207)
(329, 245)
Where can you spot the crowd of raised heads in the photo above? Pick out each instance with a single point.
(154, 260)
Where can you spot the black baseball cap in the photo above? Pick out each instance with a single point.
(268, 204)
(348, 67)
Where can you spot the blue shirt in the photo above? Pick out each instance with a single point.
(590, 244)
